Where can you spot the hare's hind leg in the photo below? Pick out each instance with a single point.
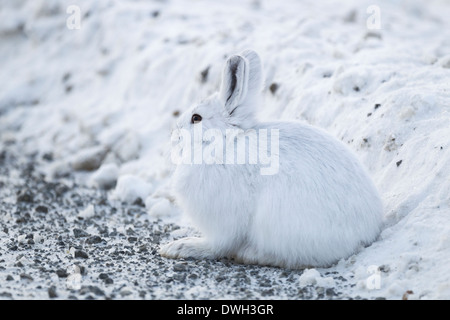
(190, 247)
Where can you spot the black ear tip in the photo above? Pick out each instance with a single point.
(234, 60)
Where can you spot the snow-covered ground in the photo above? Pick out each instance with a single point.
(102, 100)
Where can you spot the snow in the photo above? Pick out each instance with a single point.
(88, 212)
(103, 100)
(129, 188)
(313, 277)
(106, 176)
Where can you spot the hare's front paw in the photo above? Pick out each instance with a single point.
(187, 248)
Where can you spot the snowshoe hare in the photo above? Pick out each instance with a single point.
(318, 204)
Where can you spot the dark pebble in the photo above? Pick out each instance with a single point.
(398, 163)
(204, 75)
(142, 249)
(26, 276)
(181, 277)
(132, 239)
(108, 281)
(274, 87)
(93, 240)
(78, 233)
(61, 273)
(25, 196)
(61, 189)
(193, 276)
(266, 293)
(139, 202)
(220, 278)
(329, 292)
(9, 278)
(5, 294)
(52, 292)
(41, 209)
(81, 254)
(179, 267)
(103, 276)
(91, 289)
(97, 291)
(48, 156)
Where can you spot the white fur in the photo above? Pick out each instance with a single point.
(320, 207)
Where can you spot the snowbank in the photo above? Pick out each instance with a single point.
(106, 96)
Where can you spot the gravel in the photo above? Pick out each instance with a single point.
(49, 251)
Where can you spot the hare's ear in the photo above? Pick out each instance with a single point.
(255, 74)
(234, 82)
(241, 82)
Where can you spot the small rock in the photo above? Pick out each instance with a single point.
(41, 209)
(179, 267)
(407, 294)
(48, 156)
(274, 87)
(93, 240)
(181, 277)
(204, 75)
(139, 202)
(26, 276)
(78, 233)
(97, 291)
(142, 249)
(62, 273)
(25, 196)
(52, 292)
(103, 276)
(372, 34)
(92, 289)
(221, 277)
(9, 278)
(6, 294)
(132, 239)
(329, 292)
(193, 276)
(89, 159)
(125, 291)
(398, 163)
(81, 254)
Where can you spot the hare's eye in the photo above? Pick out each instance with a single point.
(196, 118)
